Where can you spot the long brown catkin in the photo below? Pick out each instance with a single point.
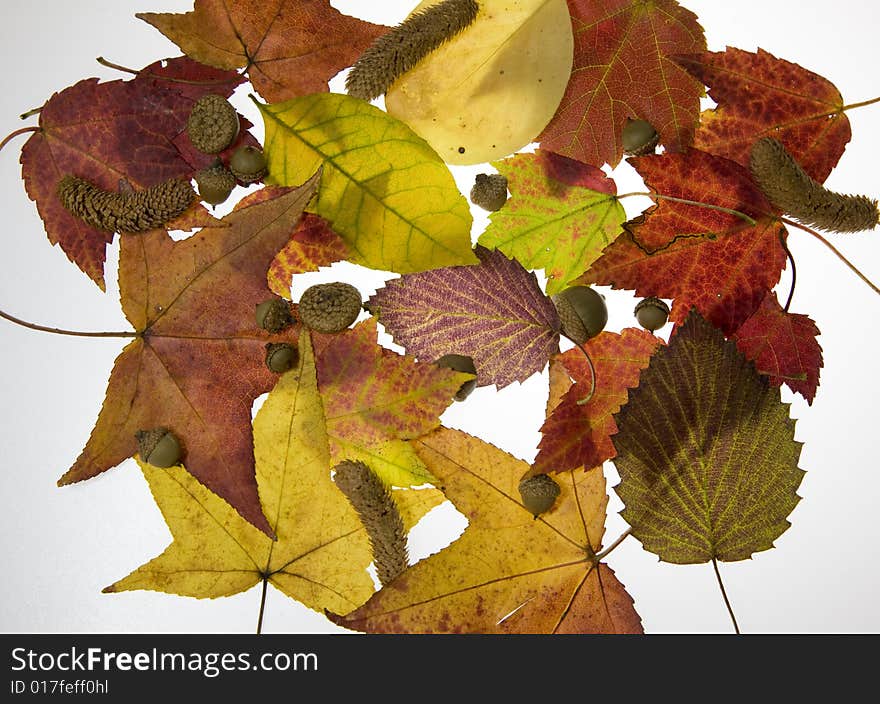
(379, 515)
(137, 211)
(794, 191)
(401, 48)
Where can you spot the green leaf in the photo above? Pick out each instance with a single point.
(384, 190)
(560, 216)
(706, 452)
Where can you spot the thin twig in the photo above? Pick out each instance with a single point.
(724, 594)
(830, 246)
(613, 545)
(793, 270)
(59, 331)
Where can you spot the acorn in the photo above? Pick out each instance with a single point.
(158, 447)
(215, 183)
(273, 315)
(539, 493)
(639, 137)
(652, 313)
(213, 124)
(489, 191)
(582, 312)
(329, 307)
(460, 363)
(281, 357)
(248, 164)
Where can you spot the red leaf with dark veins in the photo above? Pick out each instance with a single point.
(700, 257)
(494, 312)
(783, 346)
(579, 435)
(759, 95)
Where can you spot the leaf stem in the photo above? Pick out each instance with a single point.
(586, 400)
(213, 82)
(262, 605)
(750, 220)
(613, 545)
(793, 270)
(724, 594)
(58, 331)
(862, 104)
(833, 249)
(11, 135)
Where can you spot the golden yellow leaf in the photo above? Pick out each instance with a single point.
(321, 554)
(493, 88)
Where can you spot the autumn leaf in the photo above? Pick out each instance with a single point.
(288, 47)
(197, 361)
(494, 312)
(559, 217)
(374, 399)
(706, 452)
(321, 552)
(758, 95)
(509, 572)
(578, 434)
(384, 190)
(701, 257)
(313, 245)
(783, 346)
(623, 68)
(492, 88)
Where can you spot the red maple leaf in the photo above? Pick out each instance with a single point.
(783, 346)
(712, 260)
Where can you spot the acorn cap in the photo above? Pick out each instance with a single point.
(213, 124)
(539, 493)
(215, 183)
(582, 312)
(489, 191)
(639, 137)
(652, 313)
(158, 447)
(329, 308)
(274, 315)
(248, 164)
(281, 357)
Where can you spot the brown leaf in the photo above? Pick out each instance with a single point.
(197, 363)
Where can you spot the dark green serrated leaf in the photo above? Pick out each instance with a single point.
(706, 452)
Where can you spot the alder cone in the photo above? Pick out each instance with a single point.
(137, 211)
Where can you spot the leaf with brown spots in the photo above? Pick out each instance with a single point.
(509, 572)
(701, 257)
(197, 362)
(758, 95)
(288, 47)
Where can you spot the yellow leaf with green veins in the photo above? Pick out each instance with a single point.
(383, 190)
(321, 554)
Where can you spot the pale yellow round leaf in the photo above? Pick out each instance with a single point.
(491, 89)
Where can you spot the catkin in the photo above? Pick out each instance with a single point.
(794, 191)
(137, 211)
(397, 51)
(379, 515)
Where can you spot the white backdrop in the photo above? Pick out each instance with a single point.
(61, 546)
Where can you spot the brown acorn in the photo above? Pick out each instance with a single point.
(489, 191)
(329, 308)
(213, 124)
(582, 312)
(460, 363)
(273, 315)
(652, 313)
(281, 357)
(158, 447)
(539, 493)
(215, 183)
(248, 164)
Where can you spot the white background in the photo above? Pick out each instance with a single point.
(61, 546)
